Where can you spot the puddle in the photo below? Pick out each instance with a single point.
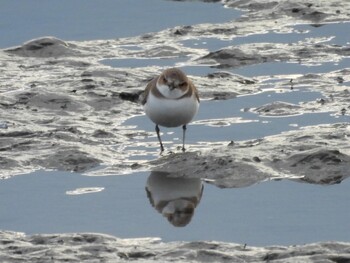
(142, 62)
(334, 33)
(284, 68)
(275, 212)
(211, 44)
(337, 32)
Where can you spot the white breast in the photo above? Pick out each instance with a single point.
(168, 93)
(171, 112)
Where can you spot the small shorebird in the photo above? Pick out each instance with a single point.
(171, 100)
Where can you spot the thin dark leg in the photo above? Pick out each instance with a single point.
(159, 139)
(183, 137)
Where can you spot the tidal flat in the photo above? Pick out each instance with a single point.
(268, 155)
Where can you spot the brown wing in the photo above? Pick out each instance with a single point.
(195, 90)
(148, 90)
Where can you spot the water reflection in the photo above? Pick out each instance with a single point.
(175, 198)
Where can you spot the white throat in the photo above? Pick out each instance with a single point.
(168, 93)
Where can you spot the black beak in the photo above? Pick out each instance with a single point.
(171, 86)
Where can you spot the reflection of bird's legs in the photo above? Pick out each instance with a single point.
(183, 137)
(159, 139)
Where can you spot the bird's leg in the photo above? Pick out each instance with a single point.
(159, 139)
(183, 137)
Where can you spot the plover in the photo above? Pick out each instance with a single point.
(171, 100)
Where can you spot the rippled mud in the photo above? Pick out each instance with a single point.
(98, 247)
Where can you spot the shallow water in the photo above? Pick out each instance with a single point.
(86, 20)
(274, 212)
(143, 62)
(279, 68)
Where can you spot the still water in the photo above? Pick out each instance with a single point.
(274, 212)
(89, 20)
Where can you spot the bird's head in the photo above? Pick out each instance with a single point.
(174, 79)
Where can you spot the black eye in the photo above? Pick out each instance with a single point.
(183, 84)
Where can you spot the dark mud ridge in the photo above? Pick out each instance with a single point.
(313, 155)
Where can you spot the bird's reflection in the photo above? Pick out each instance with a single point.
(175, 198)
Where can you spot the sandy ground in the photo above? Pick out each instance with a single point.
(62, 109)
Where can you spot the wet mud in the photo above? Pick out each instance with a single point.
(99, 247)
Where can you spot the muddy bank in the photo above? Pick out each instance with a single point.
(18, 247)
(318, 155)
